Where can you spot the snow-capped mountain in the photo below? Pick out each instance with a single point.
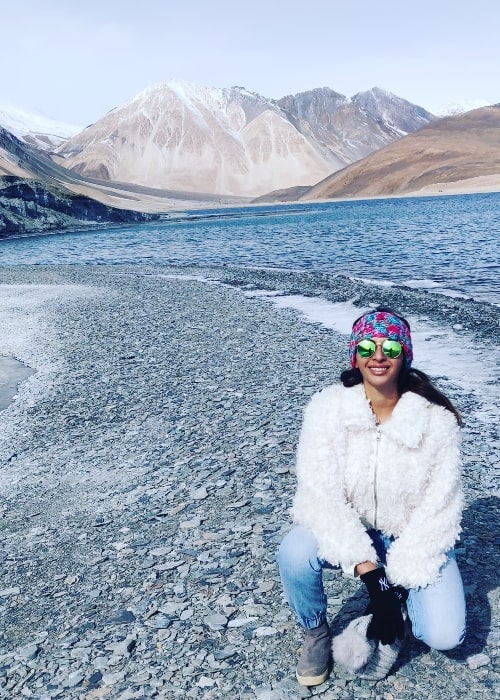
(36, 129)
(180, 136)
(349, 129)
(453, 108)
(396, 114)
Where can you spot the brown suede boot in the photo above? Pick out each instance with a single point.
(314, 663)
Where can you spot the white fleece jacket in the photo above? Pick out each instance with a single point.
(402, 477)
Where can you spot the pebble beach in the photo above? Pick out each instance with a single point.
(147, 478)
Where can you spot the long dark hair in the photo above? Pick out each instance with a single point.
(411, 379)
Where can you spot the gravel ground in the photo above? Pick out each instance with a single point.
(147, 476)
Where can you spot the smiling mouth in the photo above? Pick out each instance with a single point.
(379, 370)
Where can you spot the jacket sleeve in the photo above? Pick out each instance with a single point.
(319, 503)
(416, 556)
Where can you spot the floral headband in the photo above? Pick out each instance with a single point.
(381, 324)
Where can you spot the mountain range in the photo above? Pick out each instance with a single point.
(458, 153)
(229, 141)
(177, 145)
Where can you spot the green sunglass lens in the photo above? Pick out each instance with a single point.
(392, 348)
(366, 348)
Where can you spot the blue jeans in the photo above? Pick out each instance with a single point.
(437, 612)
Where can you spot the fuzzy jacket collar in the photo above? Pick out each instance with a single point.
(407, 425)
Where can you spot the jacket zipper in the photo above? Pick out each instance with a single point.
(378, 435)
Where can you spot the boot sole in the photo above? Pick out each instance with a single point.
(313, 680)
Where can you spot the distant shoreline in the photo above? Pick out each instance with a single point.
(488, 185)
(174, 212)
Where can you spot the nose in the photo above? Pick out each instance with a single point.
(379, 353)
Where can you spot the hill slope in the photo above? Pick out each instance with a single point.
(28, 206)
(447, 153)
(21, 159)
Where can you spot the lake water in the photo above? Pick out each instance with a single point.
(445, 244)
(448, 244)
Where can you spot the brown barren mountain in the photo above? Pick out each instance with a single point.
(459, 153)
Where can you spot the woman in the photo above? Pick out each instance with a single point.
(379, 495)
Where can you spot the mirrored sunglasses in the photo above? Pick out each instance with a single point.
(391, 348)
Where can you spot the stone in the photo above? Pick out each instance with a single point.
(94, 680)
(478, 660)
(74, 679)
(241, 621)
(216, 621)
(160, 551)
(200, 494)
(159, 621)
(28, 652)
(122, 617)
(226, 653)
(113, 678)
(265, 631)
(7, 592)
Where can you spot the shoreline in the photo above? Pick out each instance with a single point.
(147, 479)
(175, 212)
(12, 373)
(483, 184)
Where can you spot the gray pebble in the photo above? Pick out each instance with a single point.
(74, 679)
(122, 617)
(478, 660)
(28, 652)
(215, 621)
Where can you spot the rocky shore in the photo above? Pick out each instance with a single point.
(29, 206)
(147, 477)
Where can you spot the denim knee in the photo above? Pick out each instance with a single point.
(443, 639)
(438, 611)
(301, 576)
(298, 552)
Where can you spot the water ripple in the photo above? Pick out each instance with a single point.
(447, 243)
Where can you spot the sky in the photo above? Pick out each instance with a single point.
(74, 62)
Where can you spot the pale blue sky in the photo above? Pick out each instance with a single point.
(76, 61)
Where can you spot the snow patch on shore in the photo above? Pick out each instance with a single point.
(444, 353)
(21, 309)
(25, 330)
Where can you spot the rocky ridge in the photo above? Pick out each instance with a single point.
(30, 206)
(21, 159)
(350, 129)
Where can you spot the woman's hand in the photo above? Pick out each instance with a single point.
(386, 600)
(364, 568)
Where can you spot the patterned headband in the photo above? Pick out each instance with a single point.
(381, 324)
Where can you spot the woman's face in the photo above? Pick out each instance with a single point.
(379, 371)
